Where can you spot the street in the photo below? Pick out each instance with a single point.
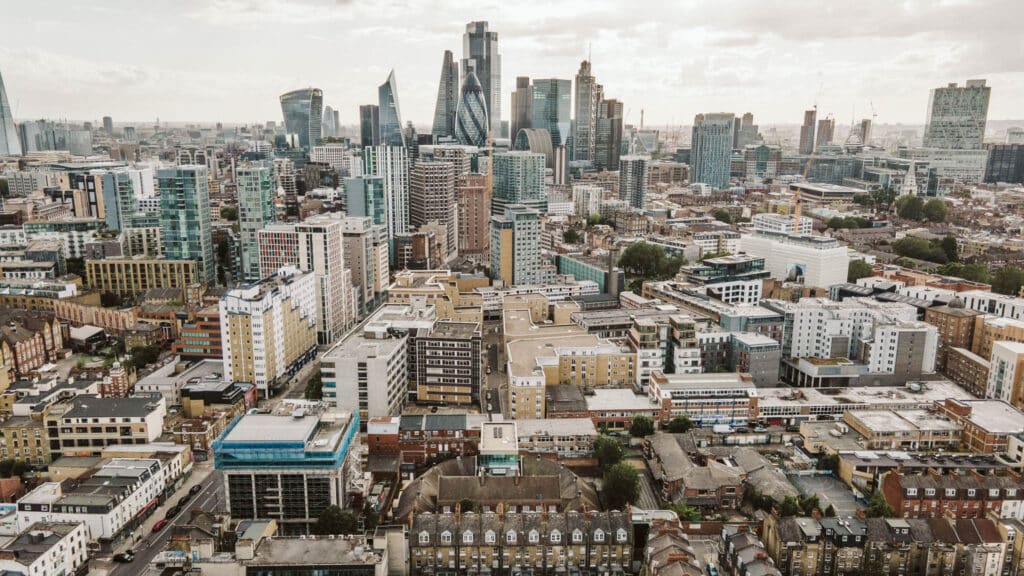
(495, 387)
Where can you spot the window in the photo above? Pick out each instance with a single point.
(489, 537)
(510, 536)
(599, 535)
(446, 537)
(534, 537)
(556, 537)
(621, 535)
(971, 492)
(424, 537)
(467, 537)
(577, 535)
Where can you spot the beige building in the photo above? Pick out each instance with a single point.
(473, 196)
(904, 429)
(432, 199)
(990, 329)
(443, 290)
(132, 276)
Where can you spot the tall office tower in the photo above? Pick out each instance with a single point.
(826, 131)
(459, 156)
(865, 131)
(432, 199)
(518, 179)
(480, 55)
(552, 108)
(364, 196)
(608, 146)
(748, 134)
(589, 95)
(515, 246)
(303, 115)
(391, 163)
(185, 217)
(473, 196)
(315, 245)
(471, 119)
(711, 149)
(447, 95)
(108, 124)
(119, 198)
(10, 145)
(328, 128)
(737, 124)
(390, 117)
(522, 106)
(366, 256)
(256, 189)
(957, 116)
(369, 125)
(129, 134)
(807, 132)
(284, 172)
(634, 172)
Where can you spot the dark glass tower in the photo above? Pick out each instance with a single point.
(552, 108)
(390, 117)
(369, 125)
(447, 94)
(480, 55)
(303, 115)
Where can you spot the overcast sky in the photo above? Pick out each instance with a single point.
(229, 60)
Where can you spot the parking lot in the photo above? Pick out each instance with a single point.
(829, 490)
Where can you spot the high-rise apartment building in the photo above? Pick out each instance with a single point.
(185, 230)
(447, 95)
(826, 132)
(256, 189)
(461, 157)
(10, 144)
(364, 196)
(268, 330)
(552, 108)
(957, 116)
(432, 199)
(1006, 373)
(366, 255)
(391, 164)
(711, 149)
(515, 246)
(518, 179)
(369, 125)
(303, 115)
(589, 95)
(315, 245)
(108, 125)
(480, 55)
(473, 196)
(634, 172)
(522, 106)
(471, 118)
(807, 132)
(608, 141)
(390, 116)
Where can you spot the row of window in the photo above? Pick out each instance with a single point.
(533, 537)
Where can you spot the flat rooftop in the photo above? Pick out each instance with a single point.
(455, 330)
(618, 399)
(321, 550)
(272, 428)
(526, 356)
(995, 416)
(556, 427)
(936, 390)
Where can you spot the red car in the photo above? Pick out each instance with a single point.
(160, 525)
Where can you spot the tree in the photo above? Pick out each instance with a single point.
(608, 451)
(686, 512)
(370, 517)
(467, 505)
(143, 356)
(642, 261)
(920, 249)
(571, 236)
(314, 388)
(228, 213)
(910, 207)
(830, 512)
(809, 504)
(857, 269)
(935, 210)
(621, 485)
(722, 215)
(878, 507)
(790, 506)
(829, 462)
(76, 266)
(334, 520)
(949, 247)
(972, 272)
(1008, 280)
(680, 424)
(641, 426)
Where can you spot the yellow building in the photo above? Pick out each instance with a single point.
(24, 438)
(989, 329)
(132, 276)
(447, 292)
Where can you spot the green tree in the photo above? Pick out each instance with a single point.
(143, 356)
(935, 210)
(621, 485)
(76, 266)
(809, 504)
(920, 249)
(642, 426)
(571, 236)
(334, 520)
(829, 462)
(722, 215)
(686, 512)
(878, 507)
(857, 269)
(229, 213)
(314, 388)
(910, 207)
(1008, 280)
(830, 512)
(467, 505)
(642, 261)
(790, 506)
(680, 424)
(948, 245)
(972, 272)
(608, 451)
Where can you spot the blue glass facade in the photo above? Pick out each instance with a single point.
(389, 116)
(281, 454)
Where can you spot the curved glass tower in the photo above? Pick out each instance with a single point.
(471, 119)
(303, 115)
(390, 117)
(447, 95)
(9, 142)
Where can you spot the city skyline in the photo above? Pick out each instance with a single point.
(776, 63)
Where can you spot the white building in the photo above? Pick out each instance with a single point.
(392, 164)
(46, 549)
(587, 198)
(717, 242)
(333, 154)
(814, 260)
(781, 223)
(994, 304)
(1005, 371)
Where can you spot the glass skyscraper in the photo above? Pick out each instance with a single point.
(957, 116)
(390, 117)
(256, 189)
(552, 108)
(588, 96)
(447, 94)
(391, 164)
(522, 107)
(480, 55)
(519, 179)
(364, 196)
(303, 115)
(185, 217)
(471, 120)
(10, 145)
(633, 177)
(369, 125)
(711, 149)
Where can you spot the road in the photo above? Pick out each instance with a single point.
(496, 381)
(210, 499)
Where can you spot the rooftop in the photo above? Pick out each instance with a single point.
(88, 406)
(327, 550)
(617, 399)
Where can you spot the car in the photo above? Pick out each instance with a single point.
(195, 490)
(172, 512)
(488, 370)
(160, 524)
(760, 429)
(124, 557)
(433, 409)
(490, 408)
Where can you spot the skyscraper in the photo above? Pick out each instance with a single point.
(471, 119)
(303, 115)
(552, 108)
(390, 117)
(826, 131)
(185, 217)
(256, 188)
(391, 163)
(480, 54)
(634, 172)
(447, 94)
(518, 179)
(10, 145)
(711, 149)
(588, 97)
(108, 124)
(364, 196)
(515, 246)
(328, 128)
(369, 125)
(608, 146)
(807, 132)
(522, 107)
(473, 196)
(957, 116)
(432, 199)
